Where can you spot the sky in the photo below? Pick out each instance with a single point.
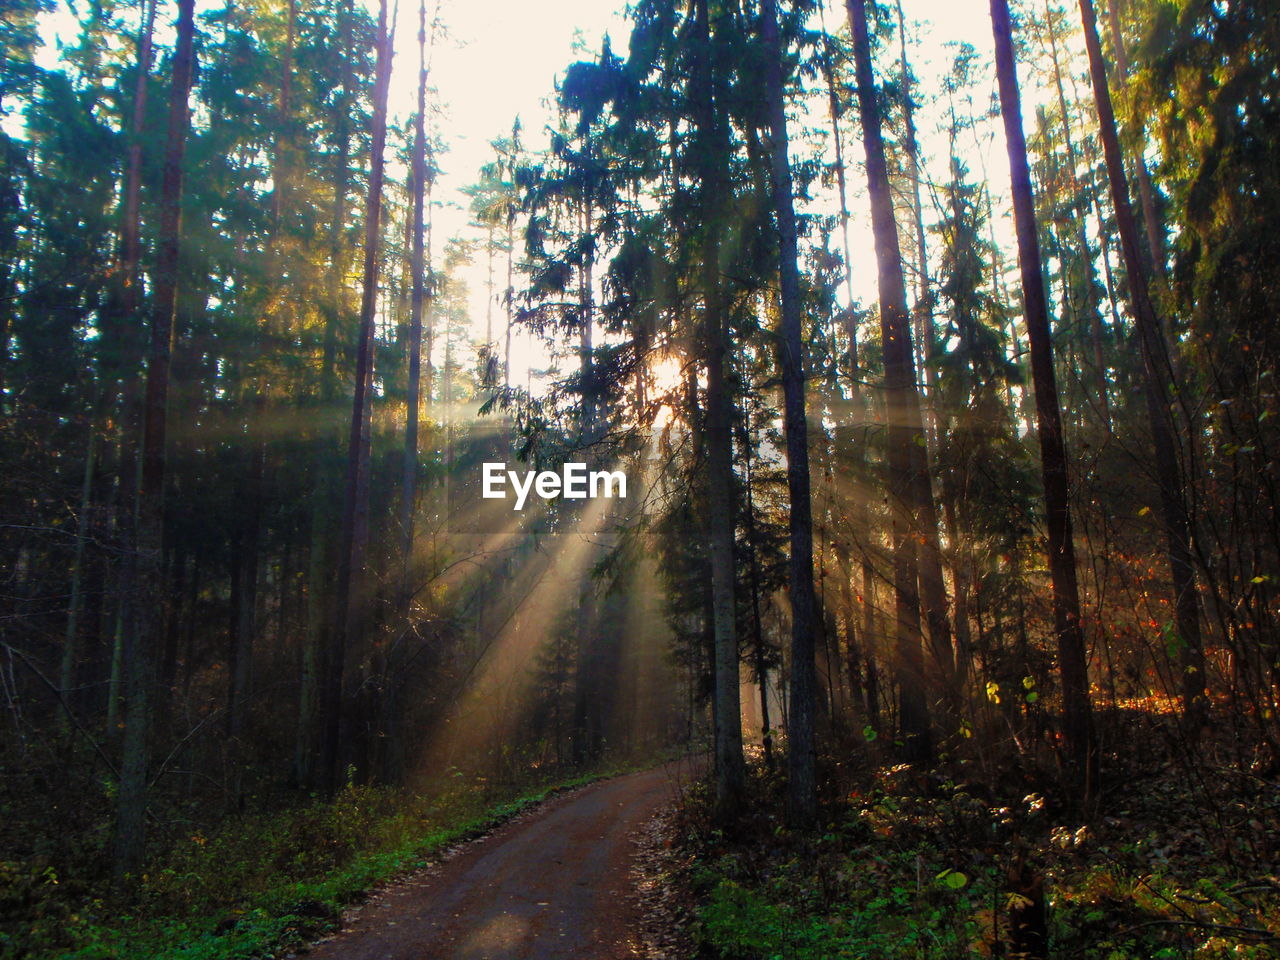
(500, 59)
(495, 60)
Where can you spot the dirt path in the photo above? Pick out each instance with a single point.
(555, 885)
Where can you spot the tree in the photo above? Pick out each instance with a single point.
(353, 584)
(148, 613)
(908, 483)
(801, 750)
(418, 269)
(711, 151)
(1072, 665)
(1158, 376)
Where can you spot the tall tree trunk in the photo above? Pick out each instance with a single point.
(353, 586)
(586, 711)
(148, 588)
(923, 306)
(1072, 665)
(759, 663)
(1146, 192)
(284, 110)
(488, 301)
(71, 637)
(1156, 366)
(508, 295)
(904, 428)
(130, 243)
(507, 298)
(181, 614)
(932, 584)
(842, 181)
(712, 149)
(859, 519)
(413, 401)
(802, 784)
(122, 350)
(429, 327)
(244, 624)
(1092, 306)
(309, 746)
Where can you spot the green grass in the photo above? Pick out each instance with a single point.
(260, 886)
(904, 873)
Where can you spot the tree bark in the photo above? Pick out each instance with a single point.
(932, 583)
(1146, 192)
(1092, 306)
(1158, 376)
(130, 243)
(759, 663)
(587, 726)
(802, 784)
(859, 516)
(1072, 665)
(418, 298)
(309, 746)
(905, 429)
(923, 307)
(71, 637)
(148, 588)
(711, 146)
(122, 352)
(244, 588)
(352, 583)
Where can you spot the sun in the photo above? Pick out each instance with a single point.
(667, 373)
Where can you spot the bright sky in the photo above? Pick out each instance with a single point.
(497, 59)
(502, 57)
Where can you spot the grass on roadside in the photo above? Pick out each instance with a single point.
(259, 886)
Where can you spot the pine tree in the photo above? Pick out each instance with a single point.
(1072, 665)
(147, 618)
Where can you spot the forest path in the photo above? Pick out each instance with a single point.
(555, 885)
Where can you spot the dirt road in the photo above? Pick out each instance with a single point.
(551, 886)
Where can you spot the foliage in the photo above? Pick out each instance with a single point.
(914, 865)
(641, 248)
(259, 885)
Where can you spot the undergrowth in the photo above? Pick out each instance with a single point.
(949, 864)
(259, 886)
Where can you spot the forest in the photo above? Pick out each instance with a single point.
(939, 375)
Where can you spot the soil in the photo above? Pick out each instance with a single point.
(556, 884)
